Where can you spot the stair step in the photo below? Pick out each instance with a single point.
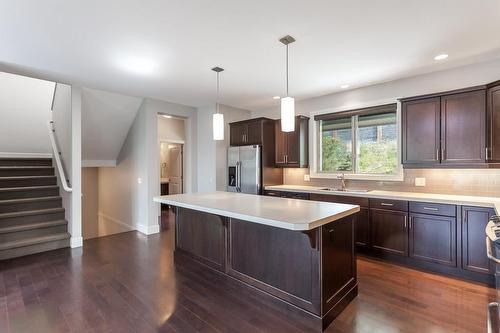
(31, 226)
(10, 171)
(18, 161)
(24, 247)
(22, 181)
(28, 192)
(34, 216)
(29, 204)
(32, 233)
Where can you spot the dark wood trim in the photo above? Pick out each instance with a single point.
(444, 93)
(372, 110)
(249, 120)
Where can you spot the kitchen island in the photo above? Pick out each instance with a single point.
(301, 252)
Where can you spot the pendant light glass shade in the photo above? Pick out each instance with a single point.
(287, 114)
(218, 126)
(218, 118)
(287, 103)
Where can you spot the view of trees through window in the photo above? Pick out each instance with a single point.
(373, 150)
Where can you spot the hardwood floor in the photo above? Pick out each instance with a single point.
(128, 283)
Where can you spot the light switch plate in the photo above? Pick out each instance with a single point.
(307, 178)
(419, 181)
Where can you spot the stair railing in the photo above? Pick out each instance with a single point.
(57, 157)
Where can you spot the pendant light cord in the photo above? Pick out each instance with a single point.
(286, 70)
(217, 98)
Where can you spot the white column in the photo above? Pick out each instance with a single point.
(75, 228)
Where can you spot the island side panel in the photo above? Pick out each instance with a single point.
(201, 236)
(339, 273)
(282, 262)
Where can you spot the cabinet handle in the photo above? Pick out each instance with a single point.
(437, 154)
(286, 158)
(442, 153)
(486, 150)
(405, 221)
(431, 209)
(411, 222)
(386, 204)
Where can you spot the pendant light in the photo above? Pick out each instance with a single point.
(218, 118)
(287, 102)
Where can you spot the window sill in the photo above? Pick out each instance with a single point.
(389, 178)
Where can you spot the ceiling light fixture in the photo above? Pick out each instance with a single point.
(441, 56)
(276, 97)
(166, 116)
(218, 118)
(344, 86)
(138, 65)
(287, 103)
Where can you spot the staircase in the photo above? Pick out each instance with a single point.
(31, 213)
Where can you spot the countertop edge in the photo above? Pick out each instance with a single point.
(261, 220)
(487, 202)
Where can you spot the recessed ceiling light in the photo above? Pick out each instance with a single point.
(166, 116)
(276, 97)
(344, 86)
(441, 56)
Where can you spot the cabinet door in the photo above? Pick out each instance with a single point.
(362, 228)
(474, 220)
(463, 126)
(254, 133)
(433, 238)
(237, 134)
(389, 231)
(493, 119)
(293, 146)
(421, 131)
(280, 144)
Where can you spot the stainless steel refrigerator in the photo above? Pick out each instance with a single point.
(245, 173)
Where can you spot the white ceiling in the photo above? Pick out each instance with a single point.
(106, 120)
(165, 49)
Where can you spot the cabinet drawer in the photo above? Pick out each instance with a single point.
(273, 193)
(433, 208)
(362, 202)
(389, 204)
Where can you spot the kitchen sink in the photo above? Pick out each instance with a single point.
(347, 190)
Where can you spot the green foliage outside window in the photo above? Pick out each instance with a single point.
(336, 155)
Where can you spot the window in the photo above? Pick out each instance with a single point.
(359, 142)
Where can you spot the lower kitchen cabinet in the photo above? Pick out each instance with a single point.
(433, 238)
(362, 228)
(389, 231)
(474, 258)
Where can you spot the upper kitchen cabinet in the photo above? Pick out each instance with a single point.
(445, 130)
(493, 123)
(250, 132)
(463, 126)
(292, 148)
(421, 131)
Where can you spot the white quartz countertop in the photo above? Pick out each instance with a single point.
(492, 202)
(292, 214)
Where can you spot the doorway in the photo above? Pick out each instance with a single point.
(171, 168)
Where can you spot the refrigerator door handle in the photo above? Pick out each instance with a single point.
(238, 176)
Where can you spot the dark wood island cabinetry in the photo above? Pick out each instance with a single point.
(313, 269)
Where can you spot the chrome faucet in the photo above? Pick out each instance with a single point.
(342, 179)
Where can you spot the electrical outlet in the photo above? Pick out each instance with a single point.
(419, 181)
(307, 178)
(139, 180)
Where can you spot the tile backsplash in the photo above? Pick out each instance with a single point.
(482, 182)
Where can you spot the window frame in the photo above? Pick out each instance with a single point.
(315, 138)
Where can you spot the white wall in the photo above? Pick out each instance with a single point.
(122, 199)
(171, 129)
(90, 202)
(456, 78)
(106, 120)
(25, 109)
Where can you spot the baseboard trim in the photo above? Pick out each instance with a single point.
(121, 224)
(25, 155)
(75, 242)
(148, 229)
(98, 163)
